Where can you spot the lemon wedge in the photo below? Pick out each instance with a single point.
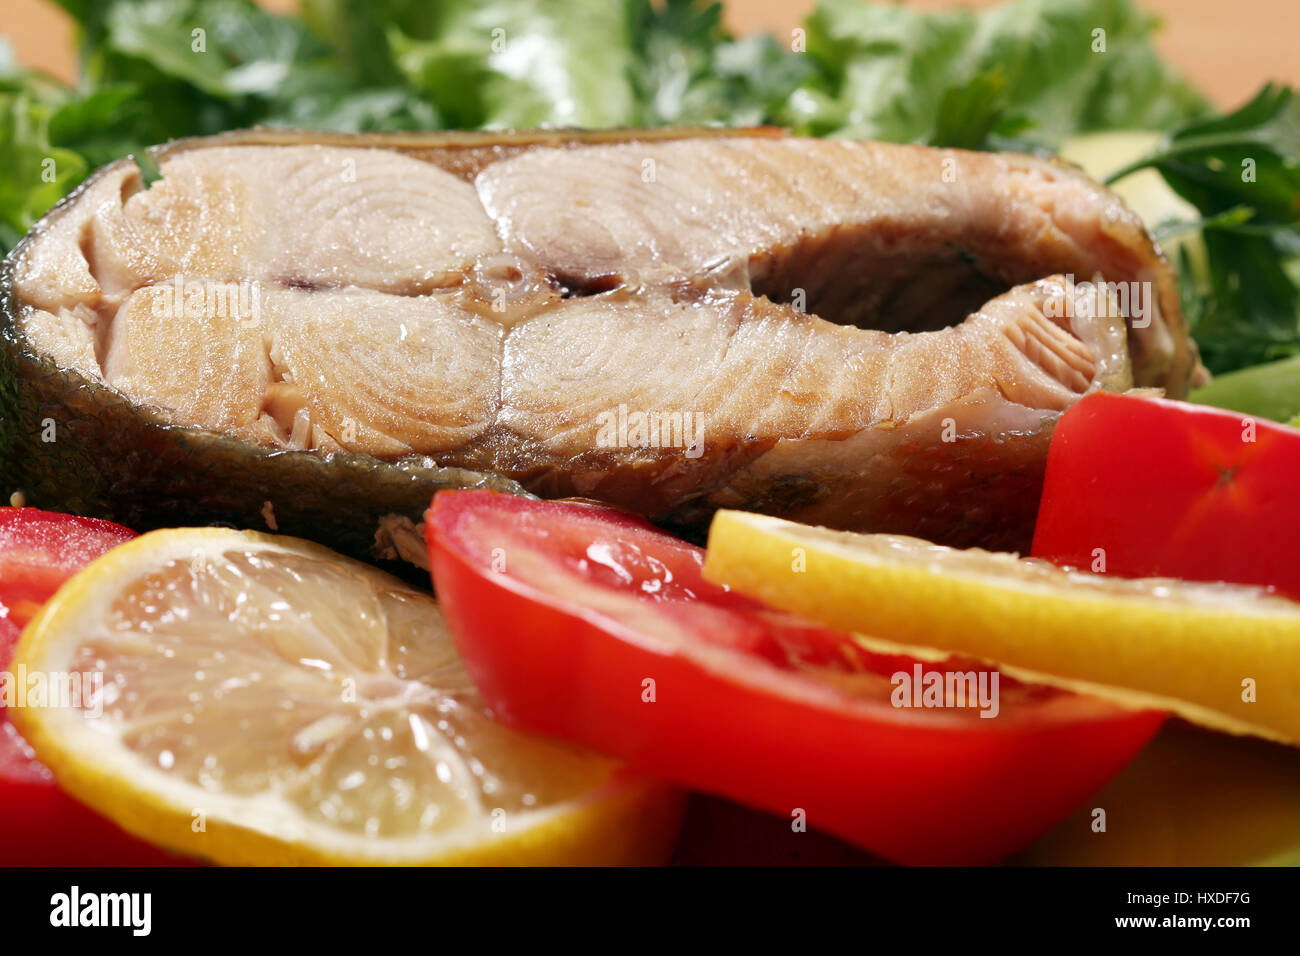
(259, 700)
(1225, 656)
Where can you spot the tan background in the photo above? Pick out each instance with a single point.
(1226, 47)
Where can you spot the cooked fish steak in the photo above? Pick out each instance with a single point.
(865, 335)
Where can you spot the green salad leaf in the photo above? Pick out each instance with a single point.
(520, 63)
(1242, 173)
(1064, 66)
(1271, 390)
(690, 70)
(36, 173)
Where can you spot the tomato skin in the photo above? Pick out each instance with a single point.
(40, 825)
(916, 788)
(39, 550)
(1172, 489)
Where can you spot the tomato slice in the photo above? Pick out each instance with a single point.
(586, 623)
(39, 550)
(40, 825)
(1150, 487)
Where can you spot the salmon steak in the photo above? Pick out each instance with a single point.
(318, 330)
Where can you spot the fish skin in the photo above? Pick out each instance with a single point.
(845, 428)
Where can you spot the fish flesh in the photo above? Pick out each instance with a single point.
(864, 335)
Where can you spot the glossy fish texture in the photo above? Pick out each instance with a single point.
(864, 335)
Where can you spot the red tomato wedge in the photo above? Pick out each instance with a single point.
(39, 550)
(585, 623)
(1149, 487)
(40, 825)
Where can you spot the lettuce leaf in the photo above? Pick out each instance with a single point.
(1242, 173)
(520, 63)
(691, 71)
(36, 174)
(899, 74)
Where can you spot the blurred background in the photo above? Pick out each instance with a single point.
(1226, 49)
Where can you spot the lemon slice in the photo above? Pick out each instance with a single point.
(1222, 655)
(266, 701)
